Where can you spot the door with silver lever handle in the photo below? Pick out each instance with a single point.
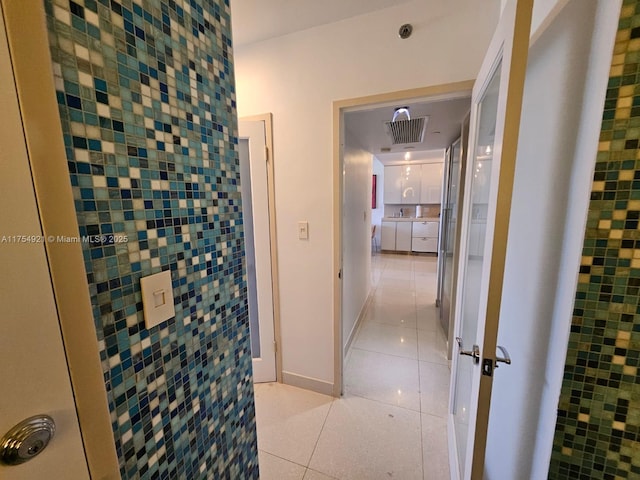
(505, 358)
(474, 352)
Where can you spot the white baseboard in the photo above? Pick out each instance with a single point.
(358, 321)
(307, 383)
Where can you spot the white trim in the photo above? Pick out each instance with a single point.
(454, 466)
(359, 320)
(308, 383)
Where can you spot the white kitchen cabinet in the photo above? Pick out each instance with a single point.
(403, 236)
(431, 183)
(425, 237)
(425, 229)
(388, 236)
(411, 184)
(424, 245)
(393, 184)
(402, 184)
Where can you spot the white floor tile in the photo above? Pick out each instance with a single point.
(364, 439)
(387, 339)
(393, 295)
(427, 317)
(386, 378)
(434, 388)
(276, 468)
(400, 316)
(373, 432)
(434, 448)
(432, 346)
(289, 420)
(313, 475)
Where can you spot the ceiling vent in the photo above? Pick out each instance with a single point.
(407, 131)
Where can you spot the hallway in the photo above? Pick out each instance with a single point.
(391, 421)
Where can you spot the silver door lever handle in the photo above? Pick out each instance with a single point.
(505, 356)
(474, 352)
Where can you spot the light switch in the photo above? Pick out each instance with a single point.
(303, 230)
(157, 298)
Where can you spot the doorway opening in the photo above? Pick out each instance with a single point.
(353, 225)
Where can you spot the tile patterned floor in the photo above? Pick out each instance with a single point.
(391, 422)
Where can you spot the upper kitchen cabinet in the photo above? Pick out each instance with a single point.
(411, 182)
(402, 184)
(431, 183)
(393, 184)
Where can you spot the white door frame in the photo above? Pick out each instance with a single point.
(508, 48)
(28, 40)
(436, 92)
(267, 118)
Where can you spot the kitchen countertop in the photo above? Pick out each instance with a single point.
(410, 219)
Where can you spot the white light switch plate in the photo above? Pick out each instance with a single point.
(157, 298)
(303, 230)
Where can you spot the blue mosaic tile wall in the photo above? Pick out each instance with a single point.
(598, 427)
(147, 103)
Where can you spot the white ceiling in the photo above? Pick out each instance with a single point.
(443, 126)
(257, 20)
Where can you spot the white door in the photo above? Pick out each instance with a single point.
(256, 215)
(34, 374)
(495, 119)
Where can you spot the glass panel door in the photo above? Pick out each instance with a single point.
(449, 219)
(495, 120)
(474, 259)
(249, 245)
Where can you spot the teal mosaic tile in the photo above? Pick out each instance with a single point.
(598, 428)
(147, 102)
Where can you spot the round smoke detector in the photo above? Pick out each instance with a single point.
(405, 31)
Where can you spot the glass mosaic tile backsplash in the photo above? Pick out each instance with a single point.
(147, 103)
(598, 427)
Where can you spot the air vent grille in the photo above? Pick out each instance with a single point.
(407, 131)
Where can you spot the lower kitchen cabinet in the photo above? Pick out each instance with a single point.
(424, 244)
(388, 236)
(425, 237)
(403, 236)
(396, 236)
(408, 236)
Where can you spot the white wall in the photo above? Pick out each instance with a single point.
(297, 77)
(556, 157)
(356, 233)
(378, 212)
